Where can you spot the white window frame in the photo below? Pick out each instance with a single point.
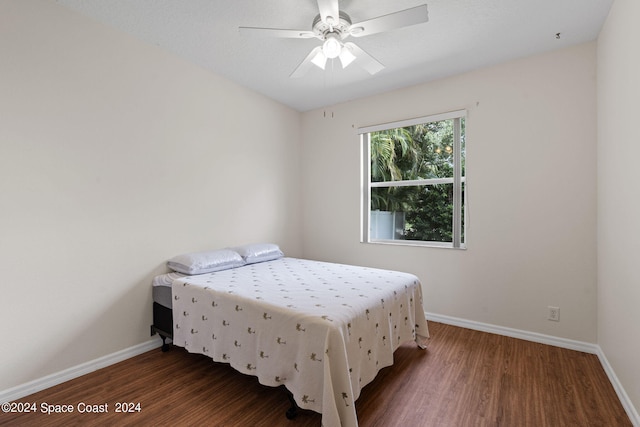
(457, 180)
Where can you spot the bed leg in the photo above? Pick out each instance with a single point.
(165, 347)
(292, 412)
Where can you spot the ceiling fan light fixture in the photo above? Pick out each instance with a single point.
(346, 57)
(332, 46)
(320, 59)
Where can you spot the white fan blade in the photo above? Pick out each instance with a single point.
(329, 11)
(366, 61)
(278, 32)
(315, 57)
(404, 18)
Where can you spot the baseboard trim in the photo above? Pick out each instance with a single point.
(54, 379)
(515, 333)
(550, 340)
(620, 391)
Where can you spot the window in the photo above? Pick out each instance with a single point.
(414, 181)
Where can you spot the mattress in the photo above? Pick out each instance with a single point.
(323, 330)
(161, 288)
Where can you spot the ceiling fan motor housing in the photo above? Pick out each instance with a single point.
(340, 28)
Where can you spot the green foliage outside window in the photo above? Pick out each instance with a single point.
(417, 152)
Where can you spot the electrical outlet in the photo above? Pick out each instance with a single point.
(554, 313)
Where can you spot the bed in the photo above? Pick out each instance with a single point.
(322, 330)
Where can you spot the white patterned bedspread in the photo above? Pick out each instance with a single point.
(323, 330)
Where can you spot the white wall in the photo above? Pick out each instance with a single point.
(115, 156)
(531, 164)
(618, 194)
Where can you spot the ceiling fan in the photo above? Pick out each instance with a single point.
(332, 26)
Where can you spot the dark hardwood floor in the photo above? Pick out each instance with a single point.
(464, 378)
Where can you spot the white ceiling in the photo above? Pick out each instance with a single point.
(461, 35)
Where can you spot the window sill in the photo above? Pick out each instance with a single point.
(443, 245)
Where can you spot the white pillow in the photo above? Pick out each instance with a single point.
(259, 252)
(205, 262)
